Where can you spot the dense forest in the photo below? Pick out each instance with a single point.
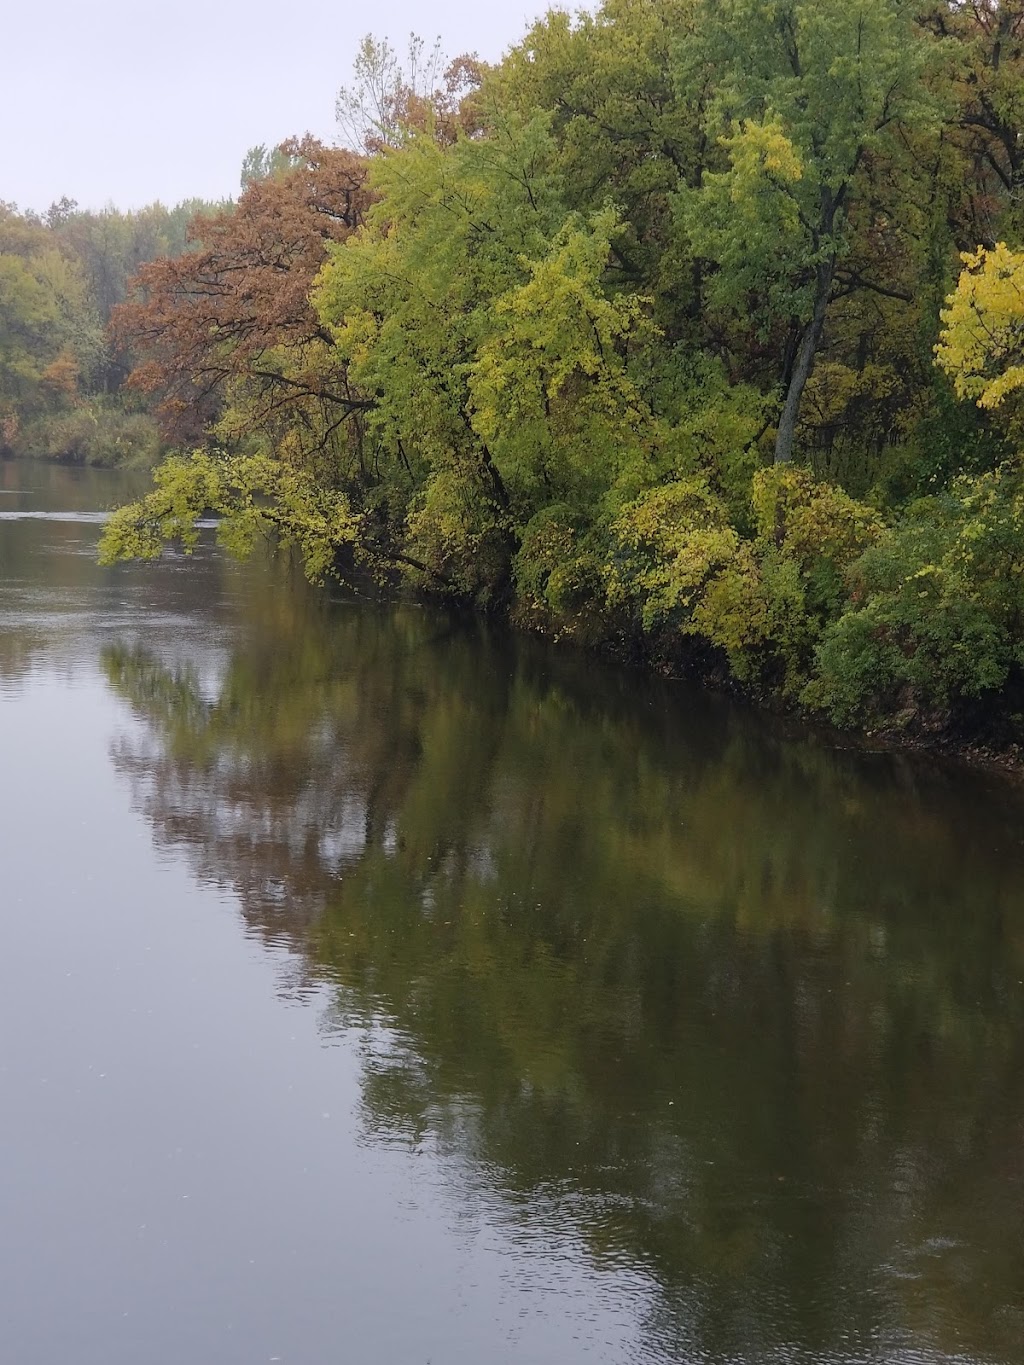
(693, 328)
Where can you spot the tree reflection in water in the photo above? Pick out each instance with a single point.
(744, 1009)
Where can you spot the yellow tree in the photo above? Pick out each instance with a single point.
(981, 346)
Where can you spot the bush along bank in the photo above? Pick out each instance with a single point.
(908, 627)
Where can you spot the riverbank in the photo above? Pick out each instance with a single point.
(905, 628)
(97, 434)
(986, 735)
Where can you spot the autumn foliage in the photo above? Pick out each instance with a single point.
(633, 336)
(231, 319)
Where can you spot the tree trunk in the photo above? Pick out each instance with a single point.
(804, 360)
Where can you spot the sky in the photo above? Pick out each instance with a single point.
(130, 101)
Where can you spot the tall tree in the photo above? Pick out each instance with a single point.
(623, 129)
(807, 94)
(388, 97)
(475, 309)
(230, 322)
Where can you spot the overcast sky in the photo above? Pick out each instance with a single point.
(127, 101)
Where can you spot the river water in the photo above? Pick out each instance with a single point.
(377, 990)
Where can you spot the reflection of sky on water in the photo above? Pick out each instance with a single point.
(74, 518)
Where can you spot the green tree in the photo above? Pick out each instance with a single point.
(476, 310)
(623, 130)
(807, 93)
(49, 333)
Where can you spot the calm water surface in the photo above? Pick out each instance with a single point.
(378, 992)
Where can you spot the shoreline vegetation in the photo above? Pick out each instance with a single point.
(691, 332)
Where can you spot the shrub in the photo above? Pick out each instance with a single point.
(560, 577)
(93, 435)
(670, 543)
(763, 600)
(935, 610)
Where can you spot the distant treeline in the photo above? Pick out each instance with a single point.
(62, 274)
(688, 328)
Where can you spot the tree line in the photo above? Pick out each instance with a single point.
(62, 274)
(690, 327)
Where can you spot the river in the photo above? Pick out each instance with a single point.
(377, 989)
